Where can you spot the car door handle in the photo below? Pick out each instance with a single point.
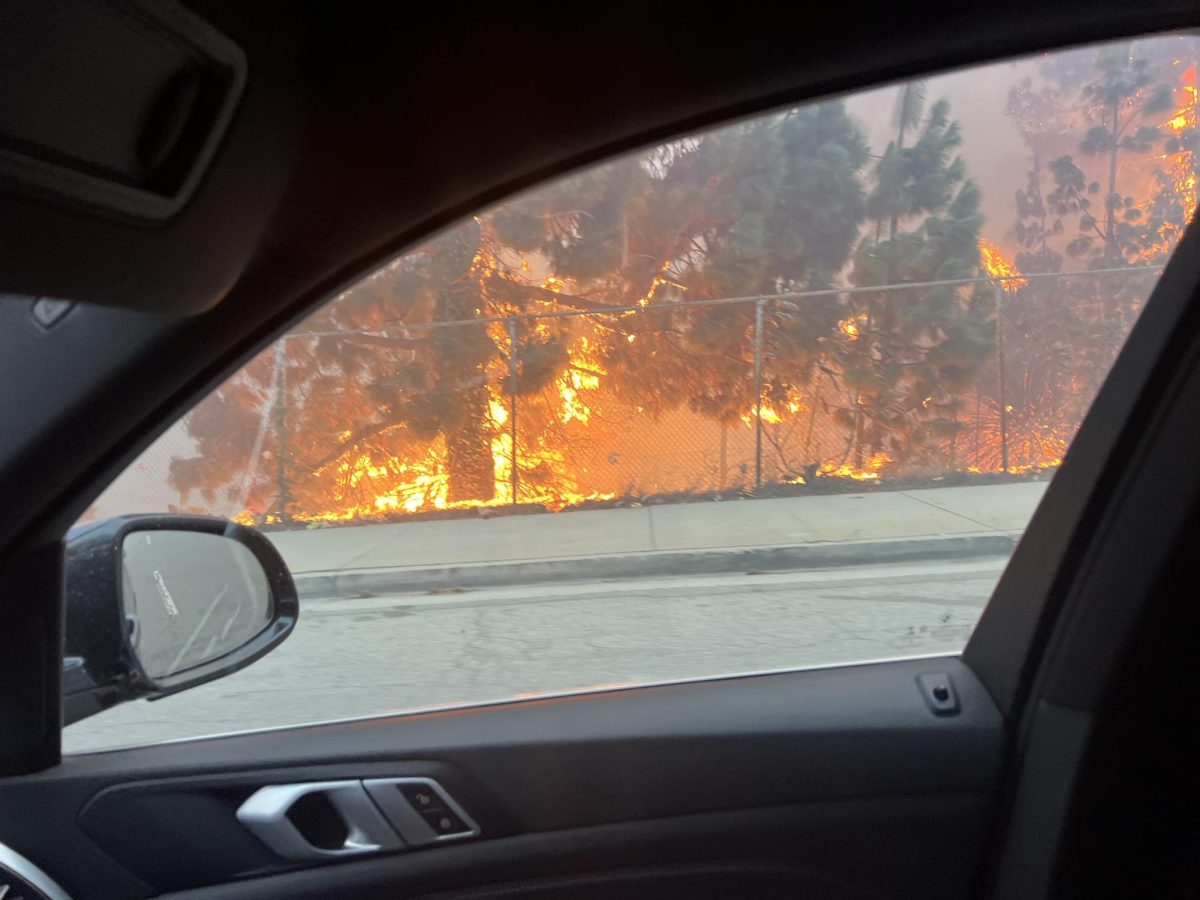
(318, 820)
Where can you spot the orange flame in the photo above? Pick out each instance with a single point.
(371, 483)
(1000, 268)
(581, 376)
(376, 486)
(1183, 169)
(869, 472)
(852, 326)
(769, 413)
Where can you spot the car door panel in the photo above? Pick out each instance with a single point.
(845, 778)
(894, 847)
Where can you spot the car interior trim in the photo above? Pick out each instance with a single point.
(14, 862)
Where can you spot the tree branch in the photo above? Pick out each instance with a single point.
(378, 428)
(363, 434)
(571, 300)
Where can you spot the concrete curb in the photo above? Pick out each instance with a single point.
(354, 583)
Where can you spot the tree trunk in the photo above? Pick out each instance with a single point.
(284, 494)
(469, 452)
(856, 434)
(1110, 218)
(892, 267)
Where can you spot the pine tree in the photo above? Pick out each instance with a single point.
(905, 356)
(1121, 103)
(766, 207)
(1049, 376)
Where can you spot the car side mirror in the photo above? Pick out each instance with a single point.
(160, 604)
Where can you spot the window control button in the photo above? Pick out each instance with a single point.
(444, 822)
(422, 797)
(420, 809)
(939, 694)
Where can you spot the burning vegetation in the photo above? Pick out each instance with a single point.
(765, 306)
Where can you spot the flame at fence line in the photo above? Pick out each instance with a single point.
(420, 482)
(580, 405)
(370, 484)
(586, 433)
(871, 471)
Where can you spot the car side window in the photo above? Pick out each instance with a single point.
(779, 394)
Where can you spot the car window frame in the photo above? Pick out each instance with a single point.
(1051, 551)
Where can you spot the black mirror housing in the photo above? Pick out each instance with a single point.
(102, 666)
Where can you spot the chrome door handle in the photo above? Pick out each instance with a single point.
(360, 829)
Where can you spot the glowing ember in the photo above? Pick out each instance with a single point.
(852, 326)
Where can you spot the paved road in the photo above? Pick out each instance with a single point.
(352, 658)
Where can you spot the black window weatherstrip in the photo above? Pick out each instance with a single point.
(1092, 561)
(1055, 628)
(1007, 646)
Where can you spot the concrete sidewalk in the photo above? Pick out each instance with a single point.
(793, 532)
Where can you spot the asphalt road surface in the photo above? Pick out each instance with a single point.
(351, 658)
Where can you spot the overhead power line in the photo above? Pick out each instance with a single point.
(404, 328)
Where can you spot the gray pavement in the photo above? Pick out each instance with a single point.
(874, 526)
(351, 658)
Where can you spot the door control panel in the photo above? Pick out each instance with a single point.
(420, 809)
(324, 819)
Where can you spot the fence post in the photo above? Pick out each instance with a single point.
(758, 378)
(978, 423)
(1000, 369)
(281, 426)
(514, 469)
(721, 462)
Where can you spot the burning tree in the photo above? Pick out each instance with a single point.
(1119, 127)
(766, 207)
(904, 357)
(759, 274)
(397, 394)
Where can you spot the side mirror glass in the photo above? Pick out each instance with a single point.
(189, 598)
(159, 604)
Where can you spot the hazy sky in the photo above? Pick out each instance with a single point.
(996, 156)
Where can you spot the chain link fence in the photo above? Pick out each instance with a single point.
(671, 400)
